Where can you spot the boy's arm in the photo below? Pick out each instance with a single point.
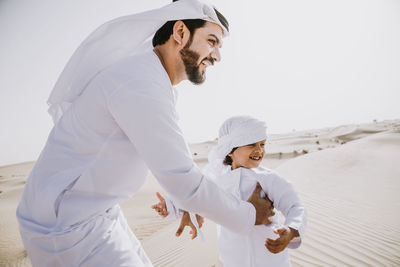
(169, 211)
(286, 200)
(166, 208)
(174, 212)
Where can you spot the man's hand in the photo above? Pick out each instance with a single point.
(185, 221)
(161, 207)
(264, 207)
(286, 234)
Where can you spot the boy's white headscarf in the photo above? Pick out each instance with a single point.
(235, 132)
(115, 40)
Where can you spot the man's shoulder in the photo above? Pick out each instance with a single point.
(141, 73)
(140, 67)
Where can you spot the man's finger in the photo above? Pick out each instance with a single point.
(256, 192)
(267, 221)
(272, 212)
(160, 197)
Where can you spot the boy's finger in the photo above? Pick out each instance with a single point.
(180, 229)
(273, 249)
(194, 231)
(159, 197)
(200, 220)
(273, 243)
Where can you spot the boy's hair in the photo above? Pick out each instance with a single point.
(228, 159)
(162, 35)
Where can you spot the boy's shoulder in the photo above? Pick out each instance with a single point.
(262, 172)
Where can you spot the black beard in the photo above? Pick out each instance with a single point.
(190, 59)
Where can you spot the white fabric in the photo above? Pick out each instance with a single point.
(249, 250)
(99, 153)
(90, 243)
(234, 132)
(115, 40)
(238, 250)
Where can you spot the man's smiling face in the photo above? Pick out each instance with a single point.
(201, 51)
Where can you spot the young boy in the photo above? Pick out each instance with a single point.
(234, 164)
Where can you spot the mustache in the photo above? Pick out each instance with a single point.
(210, 59)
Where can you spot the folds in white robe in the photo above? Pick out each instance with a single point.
(237, 249)
(98, 154)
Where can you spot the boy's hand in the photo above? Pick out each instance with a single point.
(286, 234)
(161, 207)
(264, 207)
(185, 221)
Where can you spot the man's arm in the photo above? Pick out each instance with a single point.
(150, 123)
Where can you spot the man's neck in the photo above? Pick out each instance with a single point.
(171, 63)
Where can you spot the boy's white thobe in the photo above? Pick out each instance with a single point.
(238, 249)
(98, 154)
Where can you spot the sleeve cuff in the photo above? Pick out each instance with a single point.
(296, 241)
(174, 213)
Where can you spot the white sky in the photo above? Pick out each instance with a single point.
(297, 64)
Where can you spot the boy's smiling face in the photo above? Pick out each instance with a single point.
(248, 156)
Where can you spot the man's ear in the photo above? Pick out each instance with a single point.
(180, 33)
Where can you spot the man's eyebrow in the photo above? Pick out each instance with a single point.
(217, 39)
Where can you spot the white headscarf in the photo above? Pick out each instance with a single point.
(115, 40)
(234, 132)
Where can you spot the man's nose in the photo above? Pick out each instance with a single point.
(215, 54)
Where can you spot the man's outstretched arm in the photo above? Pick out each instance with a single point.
(148, 118)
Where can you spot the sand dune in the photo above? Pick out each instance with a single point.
(352, 195)
(348, 177)
(12, 180)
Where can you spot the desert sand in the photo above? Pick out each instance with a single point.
(347, 176)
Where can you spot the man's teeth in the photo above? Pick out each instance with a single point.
(255, 158)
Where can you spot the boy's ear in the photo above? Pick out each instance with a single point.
(180, 33)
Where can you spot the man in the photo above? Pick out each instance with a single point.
(115, 118)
